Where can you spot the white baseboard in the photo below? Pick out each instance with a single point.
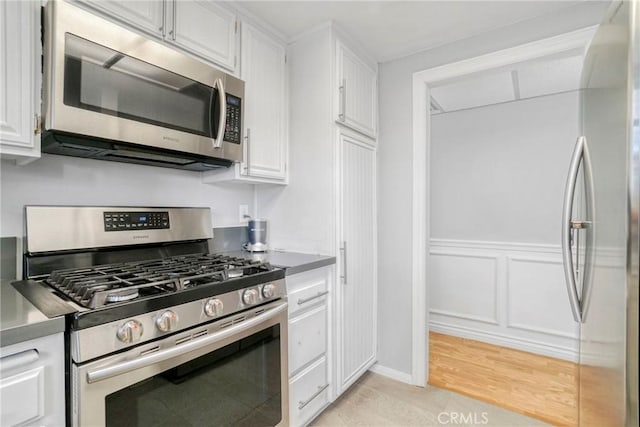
(545, 349)
(391, 373)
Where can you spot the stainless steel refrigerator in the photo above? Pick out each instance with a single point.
(600, 222)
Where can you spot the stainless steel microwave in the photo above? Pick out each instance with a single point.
(112, 94)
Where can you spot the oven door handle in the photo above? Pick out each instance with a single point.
(106, 372)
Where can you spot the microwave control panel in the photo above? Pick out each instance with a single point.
(128, 221)
(234, 120)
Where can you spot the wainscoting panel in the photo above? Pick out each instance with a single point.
(508, 294)
(537, 297)
(470, 292)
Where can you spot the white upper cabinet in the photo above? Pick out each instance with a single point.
(357, 92)
(145, 15)
(20, 80)
(204, 29)
(263, 68)
(201, 28)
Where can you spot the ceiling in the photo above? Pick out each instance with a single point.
(392, 29)
(543, 76)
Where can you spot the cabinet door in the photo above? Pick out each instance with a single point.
(357, 262)
(204, 29)
(32, 382)
(357, 92)
(20, 79)
(263, 70)
(145, 15)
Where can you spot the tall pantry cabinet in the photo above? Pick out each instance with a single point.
(329, 205)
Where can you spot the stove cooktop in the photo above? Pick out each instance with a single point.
(110, 284)
(95, 295)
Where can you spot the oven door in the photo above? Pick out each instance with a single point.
(229, 372)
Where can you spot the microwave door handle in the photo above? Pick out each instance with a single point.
(222, 122)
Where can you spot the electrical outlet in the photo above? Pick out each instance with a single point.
(244, 214)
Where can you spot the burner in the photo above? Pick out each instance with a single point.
(234, 271)
(126, 295)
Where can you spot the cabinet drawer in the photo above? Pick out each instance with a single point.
(307, 289)
(314, 293)
(309, 393)
(307, 338)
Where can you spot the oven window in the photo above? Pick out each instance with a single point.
(103, 80)
(237, 385)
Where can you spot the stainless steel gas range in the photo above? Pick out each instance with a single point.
(160, 331)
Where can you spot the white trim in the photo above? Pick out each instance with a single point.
(420, 231)
(487, 320)
(574, 40)
(498, 246)
(315, 29)
(421, 116)
(609, 253)
(531, 346)
(391, 373)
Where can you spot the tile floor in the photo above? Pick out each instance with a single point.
(379, 401)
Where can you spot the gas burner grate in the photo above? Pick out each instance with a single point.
(102, 285)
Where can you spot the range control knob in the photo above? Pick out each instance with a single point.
(130, 332)
(213, 307)
(250, 296)
(167, 321)
(269, 290)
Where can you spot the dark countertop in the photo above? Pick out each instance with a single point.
(292, 262)
(20, 320)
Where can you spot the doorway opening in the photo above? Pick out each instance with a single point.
(492, 138)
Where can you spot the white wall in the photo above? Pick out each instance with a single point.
(395, 170)
(498, 172)
(61, 180)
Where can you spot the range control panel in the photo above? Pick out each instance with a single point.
(128, 221)
(234, 122)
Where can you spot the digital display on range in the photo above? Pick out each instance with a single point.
(129, 221)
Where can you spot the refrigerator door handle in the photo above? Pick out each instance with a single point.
(567, 227)
(590, 226)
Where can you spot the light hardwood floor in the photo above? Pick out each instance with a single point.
(537, 386)
(379, 401)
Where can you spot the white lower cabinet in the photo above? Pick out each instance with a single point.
(32, 382)
(309, 380)
(311, 391)
(357, 290)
